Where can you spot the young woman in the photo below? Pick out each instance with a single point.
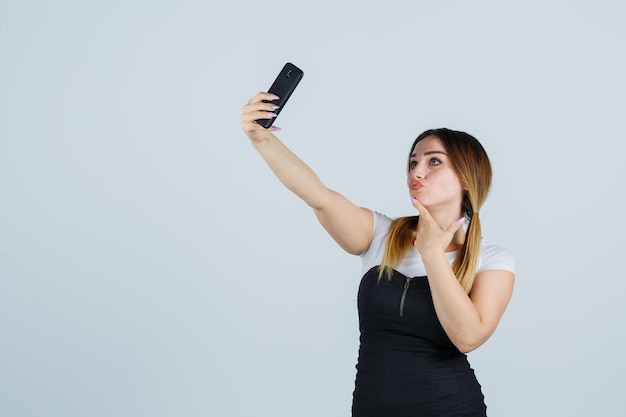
(432, 288)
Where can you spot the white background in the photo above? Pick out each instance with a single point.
(151, 265)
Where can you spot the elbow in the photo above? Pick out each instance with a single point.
(467, 344)
(465, 348)
(471, 339)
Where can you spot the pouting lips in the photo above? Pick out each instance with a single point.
(414, 186)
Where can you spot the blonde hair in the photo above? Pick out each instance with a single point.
(470, 162)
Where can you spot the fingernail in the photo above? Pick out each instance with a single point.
(274, 107)
(413, 199)
(270, 115)
(275, 128)
(460, 221)
(274, 97)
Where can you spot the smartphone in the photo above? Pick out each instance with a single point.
(283, 87)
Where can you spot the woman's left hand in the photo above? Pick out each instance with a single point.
(431, 239)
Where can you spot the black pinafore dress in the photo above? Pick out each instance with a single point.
(407, 365)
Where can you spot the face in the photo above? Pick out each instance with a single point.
(430, 177)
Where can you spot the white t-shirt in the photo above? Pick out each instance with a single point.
(492, 256)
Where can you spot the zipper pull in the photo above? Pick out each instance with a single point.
(406, 287)
(406, 284)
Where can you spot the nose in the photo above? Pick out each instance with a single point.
(418, 172)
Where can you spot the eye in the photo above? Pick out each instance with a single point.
(412, 164)
(435, 161)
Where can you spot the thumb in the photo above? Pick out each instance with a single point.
(454, 226)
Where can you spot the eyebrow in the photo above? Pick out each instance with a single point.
(413, 155)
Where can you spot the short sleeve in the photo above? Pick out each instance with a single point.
(493, 256)
(373, 254)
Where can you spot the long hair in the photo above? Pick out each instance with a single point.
(470, 162)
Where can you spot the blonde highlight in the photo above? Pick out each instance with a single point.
(473, 168)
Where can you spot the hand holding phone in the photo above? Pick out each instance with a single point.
(284, 85)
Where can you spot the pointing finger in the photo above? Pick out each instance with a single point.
(420, 207)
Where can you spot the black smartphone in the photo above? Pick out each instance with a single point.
(283, 87)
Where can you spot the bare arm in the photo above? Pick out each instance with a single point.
(467, 320)
(350, 226)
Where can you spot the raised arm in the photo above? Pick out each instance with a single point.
(350, 226)
(467, 320)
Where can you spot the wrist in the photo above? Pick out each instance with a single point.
(261, 138)
(433, 258)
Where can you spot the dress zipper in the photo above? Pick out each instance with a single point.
(406, 288)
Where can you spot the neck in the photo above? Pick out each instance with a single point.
(444, 218)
